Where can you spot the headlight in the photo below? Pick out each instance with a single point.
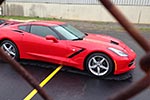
(118, 52)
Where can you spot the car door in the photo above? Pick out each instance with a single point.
(36, 46)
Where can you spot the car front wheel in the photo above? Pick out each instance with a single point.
(10, 49)
(99, 64)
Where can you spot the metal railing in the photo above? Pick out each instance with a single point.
(123, 95)
(89, 2)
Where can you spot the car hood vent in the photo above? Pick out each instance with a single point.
(114, 42)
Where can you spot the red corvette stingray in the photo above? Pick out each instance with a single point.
(60, 43)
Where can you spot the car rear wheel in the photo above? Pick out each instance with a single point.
(99, 64)
(10, 48)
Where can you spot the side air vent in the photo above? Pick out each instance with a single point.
(113, 42)
(18, 31)
(76, 53)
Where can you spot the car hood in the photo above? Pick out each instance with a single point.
(96, 40)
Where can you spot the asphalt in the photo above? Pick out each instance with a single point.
(72, 85)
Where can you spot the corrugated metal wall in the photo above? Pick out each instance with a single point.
(118, 2)
(132, 2)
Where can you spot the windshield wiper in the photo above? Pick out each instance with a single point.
(77, 39)
(86, 34)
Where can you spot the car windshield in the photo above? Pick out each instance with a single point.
(69, 32)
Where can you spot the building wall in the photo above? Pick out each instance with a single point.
(136, 14)
(0, 10)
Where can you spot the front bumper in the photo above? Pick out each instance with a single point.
(124, 65)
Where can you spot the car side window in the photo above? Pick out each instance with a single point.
(42, 31)
(22, 27)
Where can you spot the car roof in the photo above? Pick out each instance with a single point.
(42, 23)
(47, 23)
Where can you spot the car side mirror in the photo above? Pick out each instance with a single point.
(50, 37)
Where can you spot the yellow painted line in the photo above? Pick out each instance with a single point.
(43, 83)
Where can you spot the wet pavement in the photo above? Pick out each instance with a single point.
(72, 85)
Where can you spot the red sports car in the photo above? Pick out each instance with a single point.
(61, 43)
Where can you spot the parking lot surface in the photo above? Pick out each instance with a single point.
(71, 85)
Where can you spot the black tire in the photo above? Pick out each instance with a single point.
(99, 64)
(10, 48)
